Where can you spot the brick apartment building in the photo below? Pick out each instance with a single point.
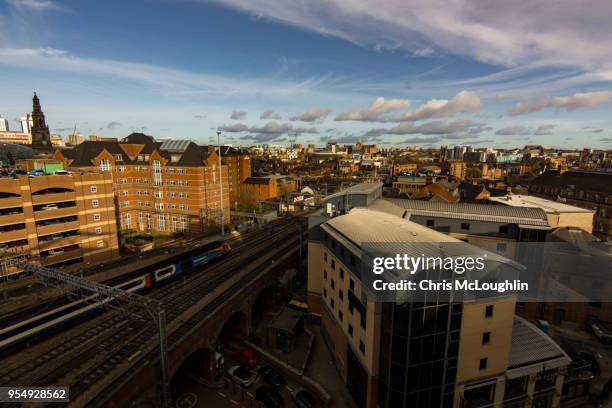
(590, 189)
(58, 219)
(159, 187)
(238, 162)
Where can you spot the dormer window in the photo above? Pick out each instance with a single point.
(119, 157)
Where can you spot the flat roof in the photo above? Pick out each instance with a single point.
(549, 206)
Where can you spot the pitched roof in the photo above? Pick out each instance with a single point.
(257, 180)
(532, 350)
(476, 212)
(83, 154)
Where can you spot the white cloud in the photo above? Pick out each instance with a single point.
(375, 112)
(569, 103)
(514, 131)
(270, 129)
(311, 115)
(514, 33)
(270, 114)
(34, 5)
(161, 79)
(238, 115)
(464, 101)
(431, 128)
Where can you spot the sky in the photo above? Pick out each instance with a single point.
(390, 72)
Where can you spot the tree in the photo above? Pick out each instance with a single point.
(473, 173)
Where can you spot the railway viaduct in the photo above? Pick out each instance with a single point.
(193, 339)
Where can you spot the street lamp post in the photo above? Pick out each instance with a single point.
(221, 185)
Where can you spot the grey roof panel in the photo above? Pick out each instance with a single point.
(476, 212)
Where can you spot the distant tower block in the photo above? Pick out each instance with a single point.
(41, 139)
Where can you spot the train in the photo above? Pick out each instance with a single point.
(14, 334)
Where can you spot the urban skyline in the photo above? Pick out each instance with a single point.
(186, 69)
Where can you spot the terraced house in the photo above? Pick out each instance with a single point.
(159, 186)
(58, 219)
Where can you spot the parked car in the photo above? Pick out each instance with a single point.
(242, 376)
(55, 251)
(269, 397)
(62, 172)
(602, 330)
(303, 398)
(50, 207)
(246, 356)
(271, 377)
(36, 173)
(56, 236)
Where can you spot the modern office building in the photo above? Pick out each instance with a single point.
(59, 219)
(161, 187)
(4, 125)
(432, 354)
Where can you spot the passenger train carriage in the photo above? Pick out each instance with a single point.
(14, 334)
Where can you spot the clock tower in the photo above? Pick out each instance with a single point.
(41, 139)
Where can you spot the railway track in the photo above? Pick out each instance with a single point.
(110, 340)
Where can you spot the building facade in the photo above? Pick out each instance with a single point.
(591, 190)
(58, 219)
(433, 354)
(159, 187)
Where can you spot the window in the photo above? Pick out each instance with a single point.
(350, 330)
(501, 247)
(352, 285)
(340, 315)
(325, 256)
(95, 203)
(465, 226)
(100, 244)
(503, 229)
(98, 230)
(333, 284)
(489, 311)
(430, 223)
(158, 194)
(105, 165)
(333, 264)
(331, 302)
(483, 363)
(340, 294)
(96, 217)
(93, 189)
(341, 273)
(157, 173)
(361, 347)
(161, 222)
(325, 275)
(352, 259)
(486, 337)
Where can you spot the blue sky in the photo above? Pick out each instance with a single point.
(396, 72)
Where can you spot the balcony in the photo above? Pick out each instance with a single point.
(13, 232)
(55, 213)
(8, 202)
(53, 198)
(63, 257)
(15, 218)
(59, 243)
(57, 227)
